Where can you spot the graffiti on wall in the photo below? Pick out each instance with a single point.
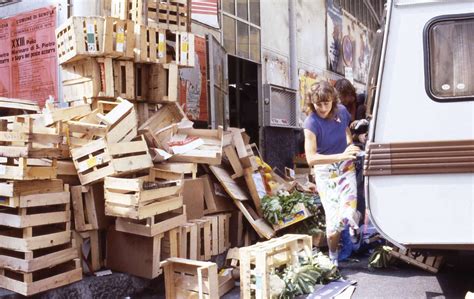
(193, 84)
(28, 62)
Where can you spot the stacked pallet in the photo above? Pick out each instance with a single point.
(37, 251)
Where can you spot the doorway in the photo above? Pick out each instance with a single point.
(244, 91)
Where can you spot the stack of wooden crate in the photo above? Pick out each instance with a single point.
(37, 251)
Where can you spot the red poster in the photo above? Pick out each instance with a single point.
(4, 58)
(28, 61)
(193, 84)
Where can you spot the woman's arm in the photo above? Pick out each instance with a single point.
(312, 156)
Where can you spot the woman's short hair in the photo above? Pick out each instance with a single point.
(321, 92)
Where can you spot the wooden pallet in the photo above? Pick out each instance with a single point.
(257, 262)
(154, 225)
(94, 259)
(99, 159)
(190, 279)
(80, 37)
(150, 45)
(42, 280)
(87, 78)
(143, 197)
(27, 169)
(25, 142)
(134, 254)
(208, 153)
(166, 116)
(115, 121)
(124, 79)
(426, 262)
(169, 14)
(119, 39)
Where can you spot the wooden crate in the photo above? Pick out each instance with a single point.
(183, 53)
(119, 39)
(220, 240)
(203, 238)
(87, 78)
(99, 159)
(124, 79)
(188, 243)
(42, 280)
(187, 169)
(167, 115)
(132, 10)
(424, 261)
(209, 153)
(21, 194)
(85, 215)
(27, 169)
(115, 121)
(152, 226)
(134, 254)
(215, 197)
(169, 14)
(143, 197)
(150, 45)
(52, 114)
(157, 83)
(25, 142)
(80, 37)
(93, 259)
(170, 244)
(257, 262)
(18, 106)
(190, 279)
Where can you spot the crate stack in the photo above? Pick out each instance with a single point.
(37, 251)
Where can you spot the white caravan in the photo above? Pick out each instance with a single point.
(420, 157)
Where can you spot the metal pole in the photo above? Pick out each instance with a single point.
(293, 56)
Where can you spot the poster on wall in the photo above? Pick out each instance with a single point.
(334, 38)
(193, 82)
(205, 11)
(28, 62)
(306, 80)
(355, 46)
(4, 58)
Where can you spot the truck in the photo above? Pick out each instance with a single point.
(419, 163)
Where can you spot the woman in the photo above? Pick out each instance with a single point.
(328, 147)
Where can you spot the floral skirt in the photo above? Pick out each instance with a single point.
(337, 187)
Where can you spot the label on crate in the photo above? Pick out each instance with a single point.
(3, 169)
(93, 161)
(3, 200)
(120, 40)
(161, 45)
(90, 31)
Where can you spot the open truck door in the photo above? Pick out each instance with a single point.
(420, 155)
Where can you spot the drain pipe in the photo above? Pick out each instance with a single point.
(293, 59)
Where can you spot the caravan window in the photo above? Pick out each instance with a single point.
(449, 49)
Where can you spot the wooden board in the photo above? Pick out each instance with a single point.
(233, 189)
(193, 198)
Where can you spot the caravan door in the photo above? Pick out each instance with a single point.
(420, 158)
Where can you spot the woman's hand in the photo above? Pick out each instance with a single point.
(350, 152)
